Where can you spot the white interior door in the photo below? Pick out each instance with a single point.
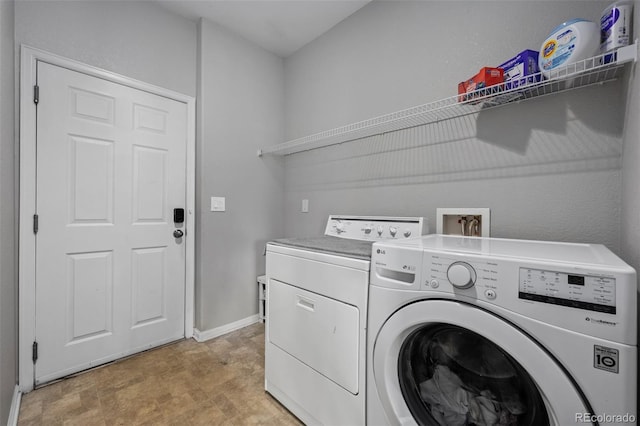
(111, 167)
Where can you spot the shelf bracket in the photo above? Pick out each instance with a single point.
(627, 53)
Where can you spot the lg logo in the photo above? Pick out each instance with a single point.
(379, 251)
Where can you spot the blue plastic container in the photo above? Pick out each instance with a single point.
(519, 70)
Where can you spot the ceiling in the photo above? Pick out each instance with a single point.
(279, 26)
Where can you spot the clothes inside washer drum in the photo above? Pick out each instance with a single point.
(331, 245)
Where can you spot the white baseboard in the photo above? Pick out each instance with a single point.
(15, 407)
(202, 336)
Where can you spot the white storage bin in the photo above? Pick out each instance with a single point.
(262, 297)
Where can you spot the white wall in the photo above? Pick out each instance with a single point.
(8, 246)
(239, 110)
(549, 168)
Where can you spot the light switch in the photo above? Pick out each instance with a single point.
(217, 204)
(305, 206)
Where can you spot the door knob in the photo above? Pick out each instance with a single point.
(178, 233)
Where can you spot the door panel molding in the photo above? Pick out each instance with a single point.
(94, 108)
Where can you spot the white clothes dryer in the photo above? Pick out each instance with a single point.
(316, 316)
(488, 331)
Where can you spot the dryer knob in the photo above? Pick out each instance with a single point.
(461, 275)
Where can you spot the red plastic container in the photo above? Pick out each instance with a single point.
(487, 77)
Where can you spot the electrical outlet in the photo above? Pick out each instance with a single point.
(472, 222)
(305, 206)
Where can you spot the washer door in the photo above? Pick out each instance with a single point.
(439, 362)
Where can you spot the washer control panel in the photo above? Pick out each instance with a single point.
(580, 287)
(375, 228)
(592, 293)
(461, 275)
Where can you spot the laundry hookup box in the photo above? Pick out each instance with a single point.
(472, 88)
(521, 70)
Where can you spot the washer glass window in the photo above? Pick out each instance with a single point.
(452, 376)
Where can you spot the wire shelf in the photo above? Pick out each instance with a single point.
(596, 70)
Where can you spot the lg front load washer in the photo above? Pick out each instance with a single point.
(487, 331)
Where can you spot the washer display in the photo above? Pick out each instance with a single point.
(577, 291)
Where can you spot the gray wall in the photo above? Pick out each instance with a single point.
(8, 246)
(240, 110)
(630, 223)
(137, 39)
(549, 168)
(240, 103)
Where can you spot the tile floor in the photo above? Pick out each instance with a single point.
(218, 382)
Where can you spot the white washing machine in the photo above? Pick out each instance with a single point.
(315, 337)
(487, 331)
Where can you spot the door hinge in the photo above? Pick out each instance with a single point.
(35, 224)
(34, 352)
(36, 94)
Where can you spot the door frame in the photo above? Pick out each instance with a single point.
(29, 58)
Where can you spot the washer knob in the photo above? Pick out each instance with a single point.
(368, 229)
(340, 227)
(380, 230)
(407, 233)
(393, 231)
(461, 275)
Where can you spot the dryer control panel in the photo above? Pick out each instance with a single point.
(375, 228)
